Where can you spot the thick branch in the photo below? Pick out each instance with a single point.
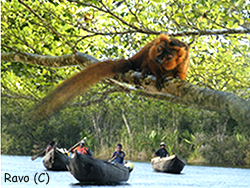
(178, 91)
(50, 61)
(224, 103)
(140, 91)
(18, 97)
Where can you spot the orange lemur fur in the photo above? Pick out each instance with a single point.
(162, 57)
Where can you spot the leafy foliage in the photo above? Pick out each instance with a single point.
(117, 29)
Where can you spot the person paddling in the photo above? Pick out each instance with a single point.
(118, 155)
(82, 149)
(51, 145)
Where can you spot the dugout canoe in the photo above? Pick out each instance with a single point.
(87, 169)
(55, 160)
(171, 164)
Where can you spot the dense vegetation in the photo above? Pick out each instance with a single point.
(106, 116)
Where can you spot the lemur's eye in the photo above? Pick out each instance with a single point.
(159, 49)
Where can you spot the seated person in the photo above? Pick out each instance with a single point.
(162, 152)
(82, 149)
(51, 145)
(118, 155)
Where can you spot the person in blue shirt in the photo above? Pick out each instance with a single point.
(118, 155)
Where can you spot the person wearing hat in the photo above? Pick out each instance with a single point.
(162, 152)
(82, 149)
(118, 155)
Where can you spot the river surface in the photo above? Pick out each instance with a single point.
(28, 173)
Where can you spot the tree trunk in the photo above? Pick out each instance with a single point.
(127, 125)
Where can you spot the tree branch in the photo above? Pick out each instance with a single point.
(49, 61)
(224, 103)
(212, 32)
(107, 11)
(18, 97)
(149, 31)
(47, 24)
(182, 92)
(140, 91)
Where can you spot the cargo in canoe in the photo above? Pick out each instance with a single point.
(171, 164)
(56, 160)
(87, 169)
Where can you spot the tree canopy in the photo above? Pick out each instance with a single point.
(57, 31)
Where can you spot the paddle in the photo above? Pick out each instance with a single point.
(38, 155)
(110, 160)
(85, 138)
(42, 153)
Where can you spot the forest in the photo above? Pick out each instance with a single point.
(207, 121)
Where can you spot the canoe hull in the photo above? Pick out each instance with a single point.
(55, 160)
(171, 164)
(86, 169)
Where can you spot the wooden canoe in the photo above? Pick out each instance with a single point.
(87, 169)
(55, 160)
(171, 164)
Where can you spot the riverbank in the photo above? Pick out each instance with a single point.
(194, 161)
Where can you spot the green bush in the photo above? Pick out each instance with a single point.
(227, 150)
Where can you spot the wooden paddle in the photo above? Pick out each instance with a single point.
(69, 150)
(38, 155)
(110, 160)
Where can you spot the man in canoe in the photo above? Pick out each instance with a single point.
(162, 152)
(118, 155)
(82, 149)
(51, 145)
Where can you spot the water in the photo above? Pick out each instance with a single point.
(142, 177)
